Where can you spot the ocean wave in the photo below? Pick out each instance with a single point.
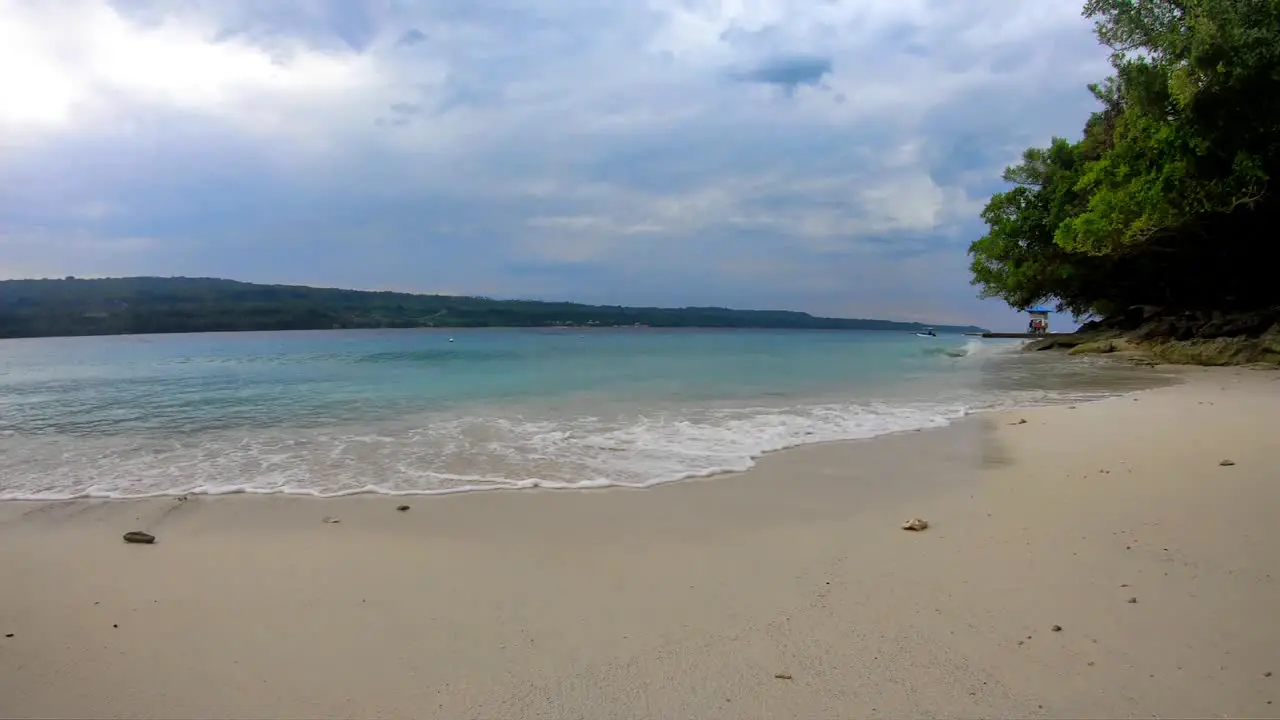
(975, 348)
(452, 455)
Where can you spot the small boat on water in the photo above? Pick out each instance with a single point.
(927, 332)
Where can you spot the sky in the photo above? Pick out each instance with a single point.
(830, 156)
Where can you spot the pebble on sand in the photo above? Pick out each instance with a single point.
(1227, 463)
(402, 508)
(331, 520)
(915, 524)
(782, 676)
(1133, 600)
(1056, 628)
(139, 537)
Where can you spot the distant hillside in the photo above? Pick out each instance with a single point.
(116, 306)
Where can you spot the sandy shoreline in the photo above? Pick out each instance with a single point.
(686, 600)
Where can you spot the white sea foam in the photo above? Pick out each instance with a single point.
(459, 454)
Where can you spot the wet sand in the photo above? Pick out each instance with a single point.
(786, 592)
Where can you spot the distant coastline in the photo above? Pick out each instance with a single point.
(152, 305)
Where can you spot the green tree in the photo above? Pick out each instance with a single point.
(1167, 198)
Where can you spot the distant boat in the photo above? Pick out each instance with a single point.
(927, 332)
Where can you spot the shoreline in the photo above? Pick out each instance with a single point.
(692, 598)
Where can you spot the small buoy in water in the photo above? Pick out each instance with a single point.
(450, 339)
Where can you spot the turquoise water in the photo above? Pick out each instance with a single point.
(426, 411)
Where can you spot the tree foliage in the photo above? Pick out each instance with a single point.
(1168, 198)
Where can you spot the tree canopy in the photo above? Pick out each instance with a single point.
(1168, 197)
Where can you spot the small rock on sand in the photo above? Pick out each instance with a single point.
(1227, 463)
(782, 676)
(1133, 600)
(1056, 628)
(402, 508)
(331, 520)
(1265, 674)
(139, 537)
(915, 524)
(11, 635)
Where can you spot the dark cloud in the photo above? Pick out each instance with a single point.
(789, 72)
(411, 37)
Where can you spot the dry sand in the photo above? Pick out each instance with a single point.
(687, 601)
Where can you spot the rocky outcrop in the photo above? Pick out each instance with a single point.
(1182, 338)
(1081, 342)
(1103, 346)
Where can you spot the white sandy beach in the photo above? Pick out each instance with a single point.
(688, 600)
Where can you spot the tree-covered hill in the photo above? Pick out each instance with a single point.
(1165, 206)
(39, 308)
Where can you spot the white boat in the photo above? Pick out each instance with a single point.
(928, 332)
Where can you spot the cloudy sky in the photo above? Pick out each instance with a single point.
(820, 155)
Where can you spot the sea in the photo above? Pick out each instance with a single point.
(422, 412)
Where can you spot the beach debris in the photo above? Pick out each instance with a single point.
(1265, 674)
(8, 634)
(1133, 600)
(1021, 421)
(402, 508)
(915, 524)
(1227, 463)
(139, 537)
(782, 676)
(1056, 628)
(330, 519)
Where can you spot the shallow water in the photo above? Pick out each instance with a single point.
(428, 411)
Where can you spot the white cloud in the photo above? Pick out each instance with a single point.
(546, 130)
(83, 66)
